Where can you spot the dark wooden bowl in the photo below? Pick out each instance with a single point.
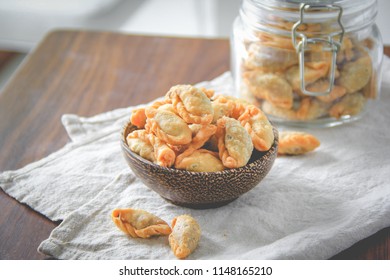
(200, 190)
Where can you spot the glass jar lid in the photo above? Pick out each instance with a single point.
(267, 14)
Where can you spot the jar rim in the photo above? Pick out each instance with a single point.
(356, 14)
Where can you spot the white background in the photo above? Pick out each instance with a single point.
(23, 23)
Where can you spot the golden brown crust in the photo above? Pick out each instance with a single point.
(262, 56)
(163, 154)
(154, 149)
(351, 104)
(138, 117)
(312, 74)
(201, 160)
(355, 74)
(270, 74)
(140, 144)
(305, 109)
(234, 143)
(228, 106)
(168, 127)
(258, 127)
(170, 140)
(346, 52)
(222, 107)
(139, 223)
(191, 103)
(185, 236)
(322, 85)
(271, 87)
(296, 143)
(201, 137)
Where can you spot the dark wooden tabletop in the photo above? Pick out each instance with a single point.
(87, 73)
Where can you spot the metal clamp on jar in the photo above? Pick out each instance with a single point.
(307, 62)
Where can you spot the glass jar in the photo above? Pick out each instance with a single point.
(307, 62)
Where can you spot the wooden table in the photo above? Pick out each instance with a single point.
(87, 73)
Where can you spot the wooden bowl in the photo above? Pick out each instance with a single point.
(199, 190)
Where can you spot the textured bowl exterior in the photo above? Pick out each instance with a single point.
(199, 190)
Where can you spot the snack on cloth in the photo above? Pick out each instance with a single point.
(139, 223)
(185, 236)
(296, 143)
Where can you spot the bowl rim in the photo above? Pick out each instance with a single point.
(270, 151)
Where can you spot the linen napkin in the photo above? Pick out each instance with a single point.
(68, 178)
(76, 173)
(308, 207)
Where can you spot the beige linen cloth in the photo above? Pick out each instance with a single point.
(308, 207)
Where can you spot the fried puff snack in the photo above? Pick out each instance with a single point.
(296, 143)
(140, 146)
(258, 127)
(201, 135)
(350, 104)
(305, 109)
(271, 87)
(177, 132)
(323, 84)
(313, 72)
(191, 103)
(138, 117)
(355, 74)
(228, 106)
(139, 223)
(185, 236)
(201, 160)
(270, 58)
(152, 148)
(234, 143)
(168, 126)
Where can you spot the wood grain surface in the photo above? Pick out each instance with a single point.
(87, 73)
